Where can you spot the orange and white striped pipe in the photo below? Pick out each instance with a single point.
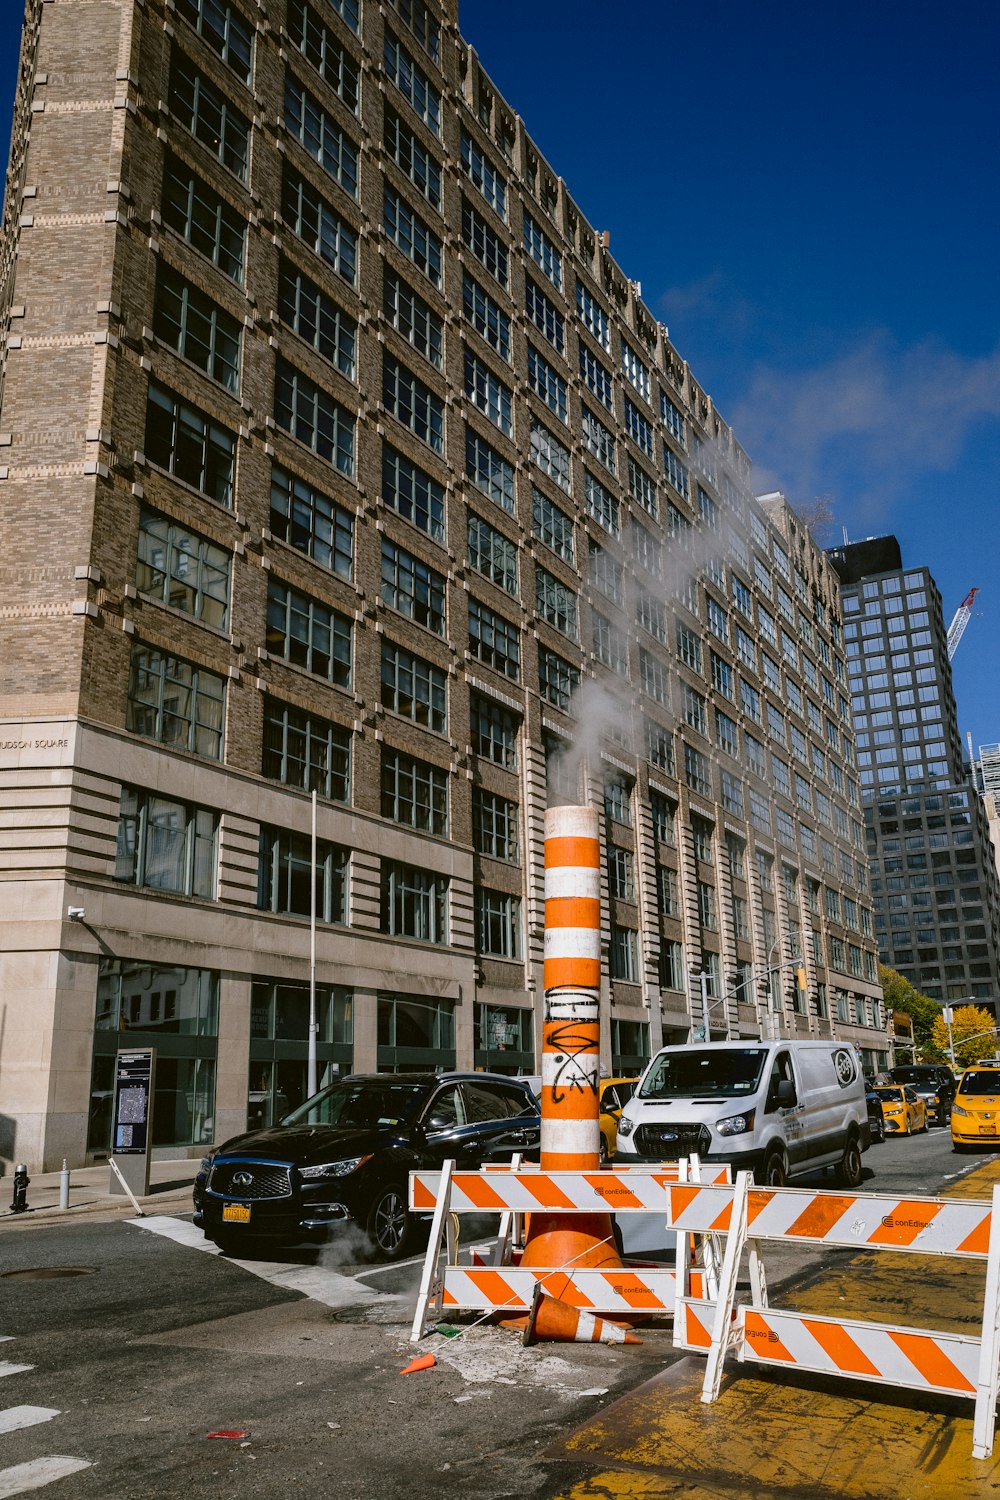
(572, 978)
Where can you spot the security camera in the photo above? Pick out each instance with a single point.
(76, 913)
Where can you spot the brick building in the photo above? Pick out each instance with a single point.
(337, 455)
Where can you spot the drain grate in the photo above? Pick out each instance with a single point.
(47, 1273)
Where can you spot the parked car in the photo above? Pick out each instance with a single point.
(779, 1109)
(975, 1114)
(345, 1155)
(876, 1119)
(934, 1082)
(904, 1111)
(613, 1095)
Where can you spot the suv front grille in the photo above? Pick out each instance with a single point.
(266, 1180)
(667, 1142)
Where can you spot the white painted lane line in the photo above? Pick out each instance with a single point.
(317, 1282)
(16, 1417)
(6, 1368)
(40, 1472)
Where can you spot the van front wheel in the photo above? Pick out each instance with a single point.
(850, 1173)
(774, 1172)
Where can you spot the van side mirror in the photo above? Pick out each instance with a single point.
(786, 1093)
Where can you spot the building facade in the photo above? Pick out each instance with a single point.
(934, 878)
(345, 475)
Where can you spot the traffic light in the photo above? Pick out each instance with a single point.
(800, 980)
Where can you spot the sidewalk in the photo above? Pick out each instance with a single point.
(90, 1194)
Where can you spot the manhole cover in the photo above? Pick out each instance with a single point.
(47, 1273)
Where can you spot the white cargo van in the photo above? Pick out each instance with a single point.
(779, 1109)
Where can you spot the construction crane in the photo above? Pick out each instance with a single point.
(963, 615)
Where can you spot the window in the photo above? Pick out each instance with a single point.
(415, 495)
(190, 445)
(492, 554)
(664, 814)
(179, 568)
(621, 873)
(697, 771)
(701, 839)
(494, 826)
(641, 487)
(596, 377)
(601, 504)
(542, 251)
(167, 845)
(483, 175)
(175, 702)
(204, 110)
(311, 522)
(487, 317)
(308, 634)
(651, 614)
(412, 403)
(706, 906)
(552, 525)
(618, 800)
(414, 793)
(556, 602)
(316, 318)
(485, 244)
(285, 876)
(558, 679)
(785, 827)
(311, 415)
(635, 371)
(318, 44)
(723, 678)
(412, 234)
(732, 794)
(410, 315)
(498, 923)
(494, 732)
(716, 619)
(599, 440)
(756, 759)
(545, 382)
(412, 157)
(672, 966)
(668, 891)
(306, 212)
(494, 640)
(708, 510)
(688, 647)
(494, 399)
(593, 316)
(550, 456)
(414, 688)
(638, 428)
(675, 471)
(226, 31)
(623, 959)
(318, 132)
(203, 217)
(672, 418)
(653, 676)
(727, 735)
(413, 83)
(421, 22)
(544, 314)
(193, 324)
(694, 709)
(606, 574)
(741, 598)
(659, 746)
(304, 751)
(775, 724)
(488, 471)
(414, 903)
(412, 587)
(608, 644)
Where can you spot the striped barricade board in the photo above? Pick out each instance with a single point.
(629, 1190)
(509, 1288)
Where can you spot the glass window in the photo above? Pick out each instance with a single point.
(414, 903)
(412, 234)
(311, 522)
(196, 211)
(498, 923)
(190, 445)
(285, 879)
(412, 587)
(206, 112)
(414, 688)
(550, 456)
(308, 633)
(494, 731)
(310, 414)
(165, 844)
(175, 702)
(226, 31)
(411, 316)
(319, 134)
(493, 554)
(192, 323)
(186, 571)
(412, 403)
(305, 751)
(413, 83)
(412, 493)
(414, 793)
(409, 153)
(487, 318)
(494, 640)
(307, 213)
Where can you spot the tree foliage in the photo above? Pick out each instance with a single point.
(967, 1025)
(900, 994)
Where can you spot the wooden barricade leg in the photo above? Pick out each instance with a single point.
(431, 1282)
(984, 1422)
(736, 1237)
(711, 1251)
(509, 1228)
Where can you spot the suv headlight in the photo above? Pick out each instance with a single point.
(625, 1125)
(736, 1124)
(206, 1162)
(957, 1109)
(335, 1168)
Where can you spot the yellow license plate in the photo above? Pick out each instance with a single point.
(236, 1213)
(987, 1130)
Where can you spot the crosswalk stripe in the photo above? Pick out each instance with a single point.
(38, 1473)
(16, 1417)
(6, 1368)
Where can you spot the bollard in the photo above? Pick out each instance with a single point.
(19, 1203)
(64, 1185)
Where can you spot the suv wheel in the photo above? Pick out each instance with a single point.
(390, 1226)
(850, 1172)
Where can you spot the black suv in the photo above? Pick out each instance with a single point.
(935, 1084)
(346, 1154)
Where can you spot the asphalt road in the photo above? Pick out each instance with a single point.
(158, 1343)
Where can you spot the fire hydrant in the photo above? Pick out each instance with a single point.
(19, 1204)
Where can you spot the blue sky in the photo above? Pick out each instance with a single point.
(808, 194)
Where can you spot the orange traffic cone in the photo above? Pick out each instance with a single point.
(423, 1362)
(551, 1319)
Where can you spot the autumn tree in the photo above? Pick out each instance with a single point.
(900, 994)
(968, 1025)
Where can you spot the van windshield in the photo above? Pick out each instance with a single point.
(704, 1073)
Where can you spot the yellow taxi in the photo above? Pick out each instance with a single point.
(975, 1112)
(613, 1095)
(903, 1110)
